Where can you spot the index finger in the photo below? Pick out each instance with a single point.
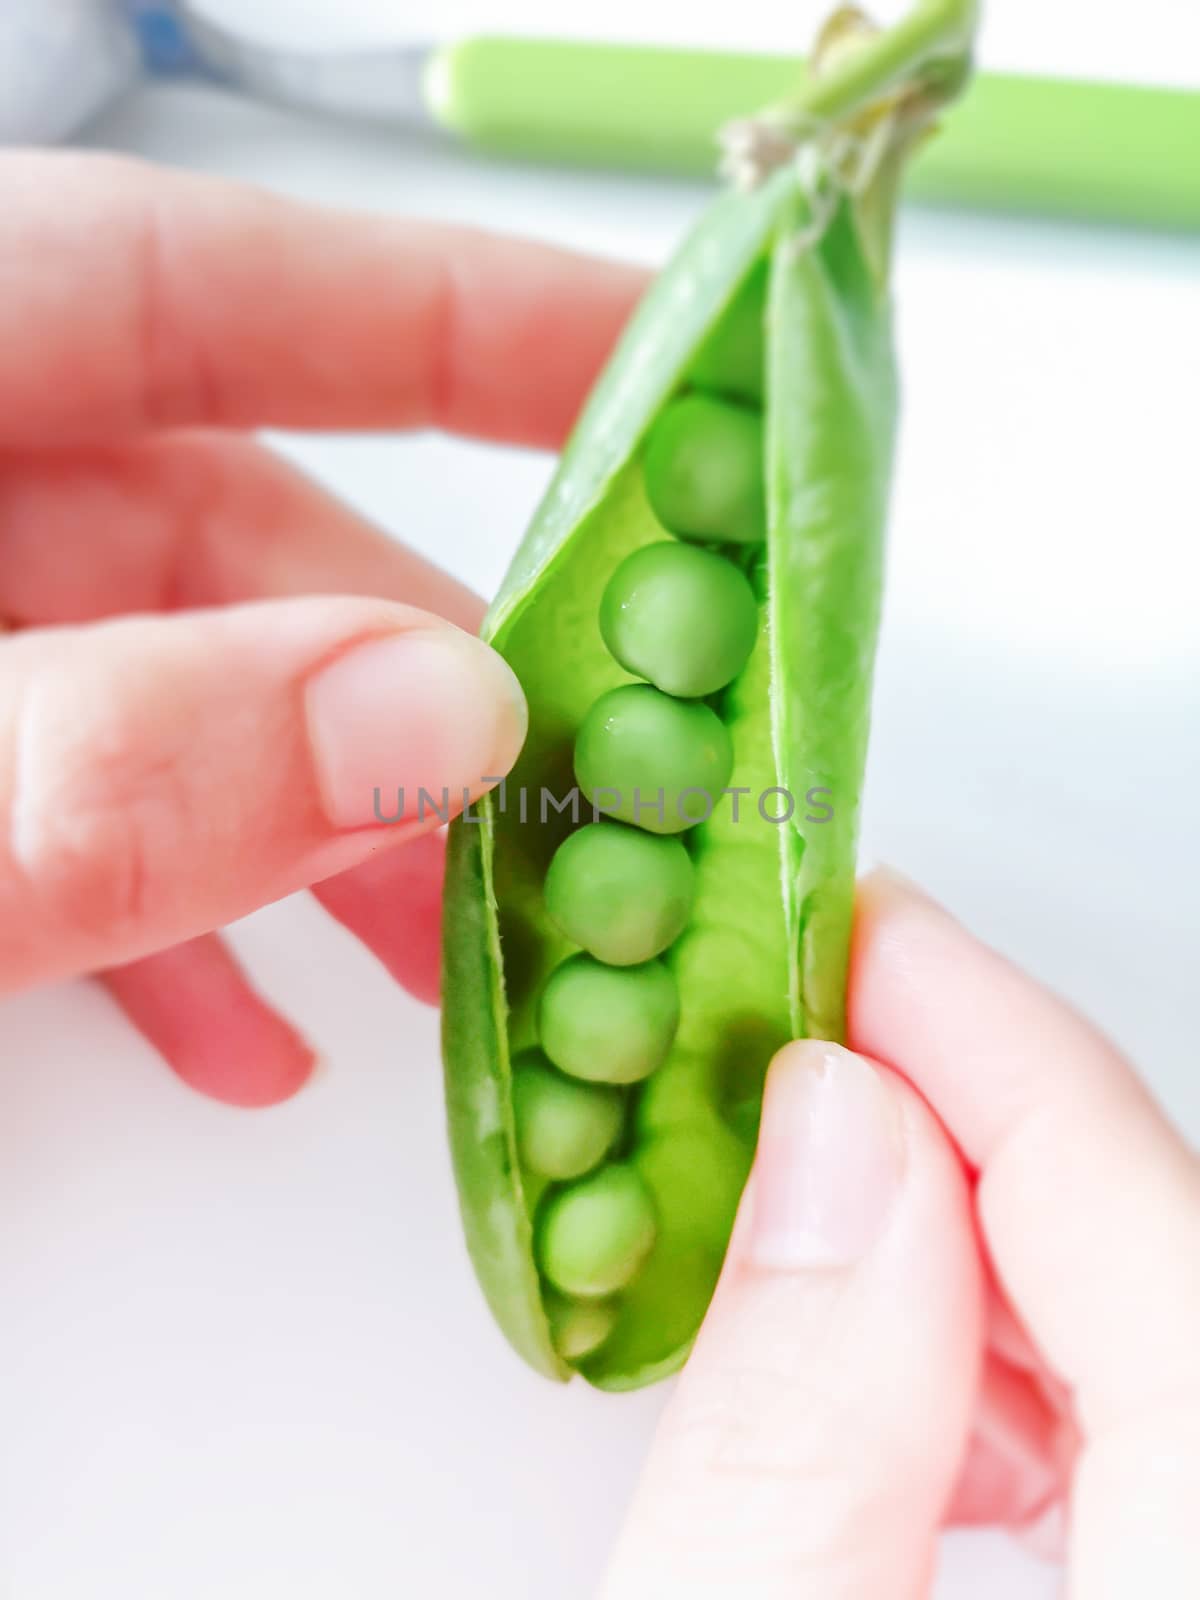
(132, 297)
(1089, 1202)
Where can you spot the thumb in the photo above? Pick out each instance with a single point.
(162, 775)
(814, 1438)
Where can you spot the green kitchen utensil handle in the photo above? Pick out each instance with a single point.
(1106, 151)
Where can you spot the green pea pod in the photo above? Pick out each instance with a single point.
(750, 411)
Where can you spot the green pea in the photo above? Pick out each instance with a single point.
(704, 471)
(578, 1326)
(682, 617)
(731, 359)
(649, 759)
(564, 1127)
(594, 1235)
(608, 1024)
(621, 893)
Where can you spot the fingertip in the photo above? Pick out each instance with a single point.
(431, 700)
(840, 1353)
(215, 1032)
(839, 1069)
(830, 1158)
(905, 949)
(882, 887)
(265, 1064)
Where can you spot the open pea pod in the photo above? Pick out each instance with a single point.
(660, 895)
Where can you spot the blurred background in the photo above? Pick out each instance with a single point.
(243, 1354)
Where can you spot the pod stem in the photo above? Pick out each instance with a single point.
(867, 99)
(927, 51)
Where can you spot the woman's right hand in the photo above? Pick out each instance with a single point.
(965, 1284)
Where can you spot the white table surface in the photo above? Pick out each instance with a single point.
(242, 1354)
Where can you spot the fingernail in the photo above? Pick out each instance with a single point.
(433, 710)
(830, 1159)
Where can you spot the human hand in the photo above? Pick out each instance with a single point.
(182, 736)
(964, 1283)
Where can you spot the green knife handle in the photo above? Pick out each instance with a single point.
(1109, 151)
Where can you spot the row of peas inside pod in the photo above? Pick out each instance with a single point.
(606, 1047)
(682, 616)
